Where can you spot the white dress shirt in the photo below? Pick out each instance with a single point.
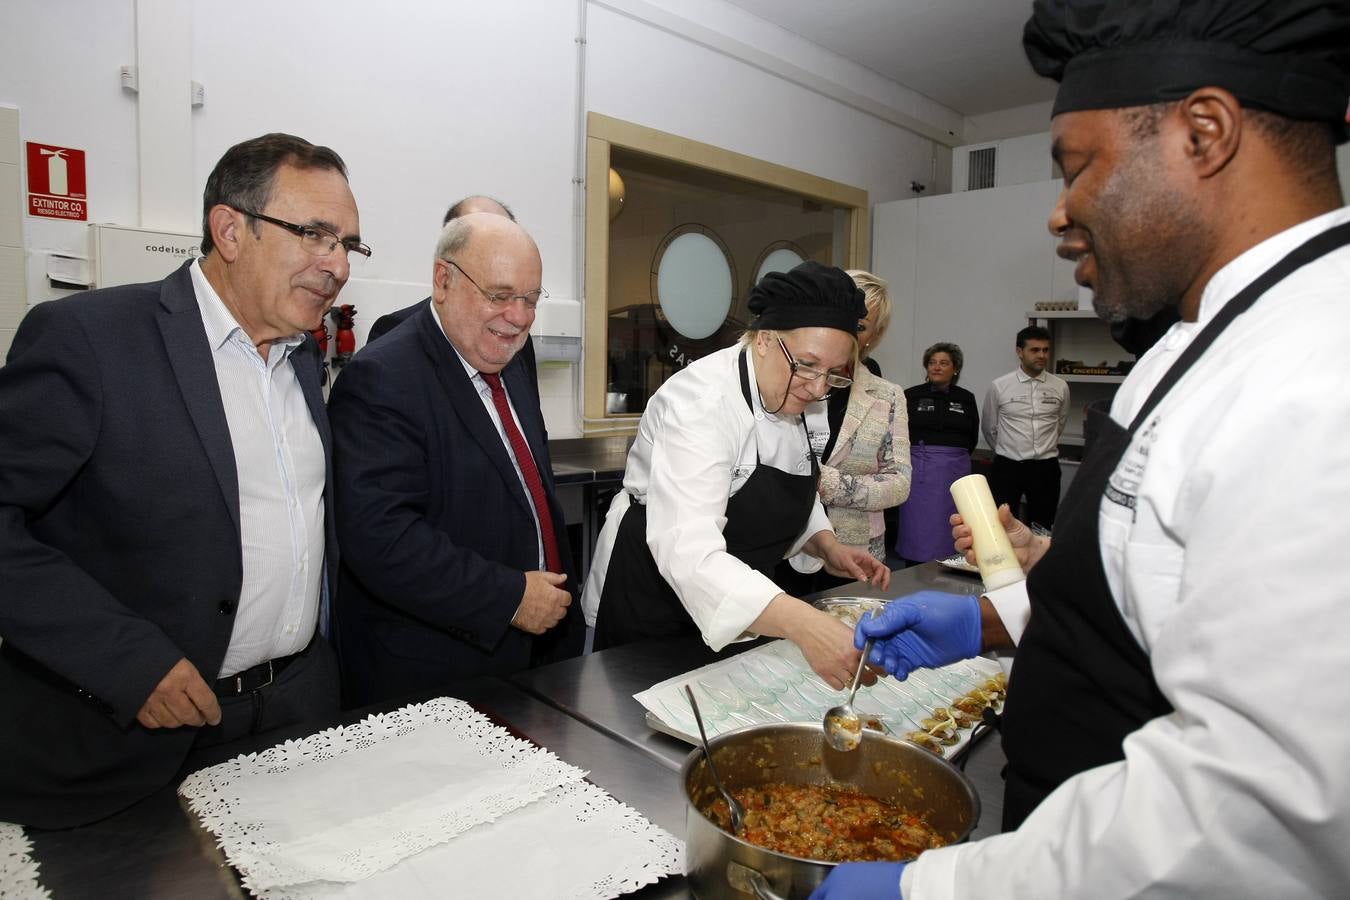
(1224, 539)
(485, 395)
(280, 465)
(696, 445)
(1024, 415)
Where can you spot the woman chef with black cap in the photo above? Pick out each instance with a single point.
(721, 483)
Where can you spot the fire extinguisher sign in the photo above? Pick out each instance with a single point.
(56, 182)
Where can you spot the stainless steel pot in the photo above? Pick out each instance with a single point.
(719, 864)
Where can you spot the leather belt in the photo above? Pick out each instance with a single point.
(255, 678)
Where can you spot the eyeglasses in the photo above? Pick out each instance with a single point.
(316, 240)
(501, 298)
(806, 373)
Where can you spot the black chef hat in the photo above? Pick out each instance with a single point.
(811, 295)
(1290, 57)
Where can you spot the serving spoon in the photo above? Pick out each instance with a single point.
(843, 726)
(737, 811)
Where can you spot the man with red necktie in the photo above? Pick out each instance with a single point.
(455, 559)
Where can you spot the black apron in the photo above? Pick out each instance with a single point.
(764, 518)
(1081, 682)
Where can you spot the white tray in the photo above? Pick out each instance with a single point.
(773, 683)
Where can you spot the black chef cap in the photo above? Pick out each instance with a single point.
(1290, 57)
(811, 295)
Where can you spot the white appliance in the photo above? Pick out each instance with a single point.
(556, 332)
(126, 255)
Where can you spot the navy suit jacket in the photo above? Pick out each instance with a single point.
(436, 528)
(119, 541)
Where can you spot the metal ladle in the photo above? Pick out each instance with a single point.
(737, 811)
(843, 726)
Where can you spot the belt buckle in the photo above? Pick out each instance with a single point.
(239, 680)
(269, 677)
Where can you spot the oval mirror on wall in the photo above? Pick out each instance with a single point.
(693, 281)
(780, 256)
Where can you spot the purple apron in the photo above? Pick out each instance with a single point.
(925, 532)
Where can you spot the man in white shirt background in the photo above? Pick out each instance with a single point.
(1022, 420)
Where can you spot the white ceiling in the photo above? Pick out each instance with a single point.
(965, 54)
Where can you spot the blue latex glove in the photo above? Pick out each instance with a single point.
(927, 629)
(861, 881)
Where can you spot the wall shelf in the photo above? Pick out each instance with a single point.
(1093, 379)
(1061, 314)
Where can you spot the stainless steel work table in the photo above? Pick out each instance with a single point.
(598, 689)
(581, 709)
(156, 849)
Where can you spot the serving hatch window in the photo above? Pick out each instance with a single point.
(674, 246)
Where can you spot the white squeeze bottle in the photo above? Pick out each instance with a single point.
(993, 551)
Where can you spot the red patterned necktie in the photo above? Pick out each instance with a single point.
(552, 559)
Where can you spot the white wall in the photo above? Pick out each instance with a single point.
(1343, 167)
(666, 82)
(428, 102)
(1006, 123)
(1026, 153)
(73, 100)
(966, 268)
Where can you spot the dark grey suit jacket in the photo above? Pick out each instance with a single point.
(119, 541)
(435, 527)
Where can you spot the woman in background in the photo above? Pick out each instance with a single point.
(865, 458)
(944, 426)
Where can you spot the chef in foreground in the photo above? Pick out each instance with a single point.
(721, 484)
(1175, 723)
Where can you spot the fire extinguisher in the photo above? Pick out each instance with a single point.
(343, 316)
(320, 336)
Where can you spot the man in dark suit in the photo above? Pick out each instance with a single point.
(164, 539)
(455, 558)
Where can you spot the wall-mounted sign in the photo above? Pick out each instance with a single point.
(56, 182)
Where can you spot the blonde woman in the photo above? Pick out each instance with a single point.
(865, 459)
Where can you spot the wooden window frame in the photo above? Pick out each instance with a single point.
(604, 133)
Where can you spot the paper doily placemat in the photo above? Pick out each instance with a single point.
(576, 842)
(322, 815)
(18, 871)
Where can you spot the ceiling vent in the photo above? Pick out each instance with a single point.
(980, 168)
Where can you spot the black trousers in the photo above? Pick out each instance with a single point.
(306, 691)
(1036, 479)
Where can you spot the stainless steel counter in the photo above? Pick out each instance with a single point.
(581, 709)
(156, 849)
(578, 460)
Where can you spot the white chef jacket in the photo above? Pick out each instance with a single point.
(1024, 415)
(696, 445)
(1232, 570)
